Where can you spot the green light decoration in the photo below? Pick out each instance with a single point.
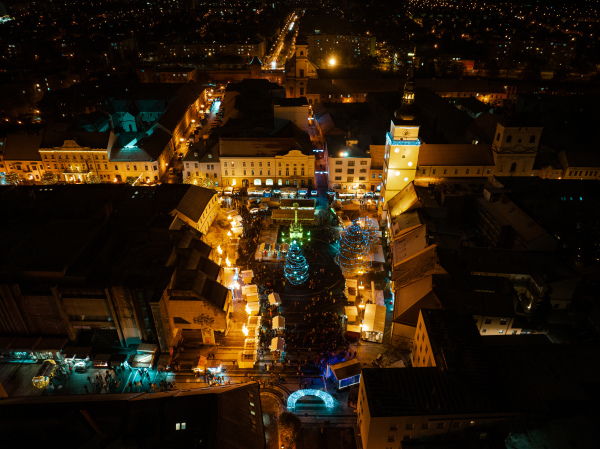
(296, 268)
(352, 256)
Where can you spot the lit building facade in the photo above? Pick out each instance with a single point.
(283, 163)
(401, 157)
(349, 170)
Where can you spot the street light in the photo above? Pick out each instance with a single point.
(332, 62)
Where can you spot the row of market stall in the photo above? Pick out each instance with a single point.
(273, 252)
(365, 312)
(284, 192)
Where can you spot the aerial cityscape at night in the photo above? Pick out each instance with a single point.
(300, 225)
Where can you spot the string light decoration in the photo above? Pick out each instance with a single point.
(49, 178)
(296, 268)
(354, 248)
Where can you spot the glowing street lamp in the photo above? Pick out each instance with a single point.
(248, 310)
(228, 233)
(228, 262)
(332, 62)
(245, 330)
(219, 250)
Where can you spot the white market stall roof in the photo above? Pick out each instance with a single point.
(278, 322)
(254, 307)
(248, 274)
(274, 298)
(251, 289)
(252, 299)
(277, 344)
(353, 328)
(288, 189)
(374, 320)
(351, 312)
(237, 230)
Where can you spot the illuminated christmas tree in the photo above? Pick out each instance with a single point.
(296, 268)
(354, 247)
(370, 229)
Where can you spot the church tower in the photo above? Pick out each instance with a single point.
(402, 146)
(514, 149)
(298, 71)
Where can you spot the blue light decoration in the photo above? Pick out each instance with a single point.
(390, 140)
(354, 247)
(326, 397)
(296, 268)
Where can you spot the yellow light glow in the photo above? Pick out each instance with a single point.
(245, 330)
(229, 233)
(410, 164)
(228, 262)
(219, 250)
(332, 62)
(248, 310)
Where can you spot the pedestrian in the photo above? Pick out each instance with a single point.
(89, 379)
(86, 388)
(70, 368)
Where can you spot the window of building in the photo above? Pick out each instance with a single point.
(393, 427)
(391, 439)
(488, 321)
(350, 163)
(508, 139)
(338, 178)
(441, 425)
(350, 171)
(363, 162)
(483, 331)
(350, 179)
(456, 171)
(445, 171)
(425, 426)
(532, 139)
(456, 425)
(252, 164)
(409, 426)
(503, 322)
(338, 162)
(243, 164)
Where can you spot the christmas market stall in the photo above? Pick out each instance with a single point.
(345, 374)
(373, 323)
(274, 299)
(277, 344)
(278, 322)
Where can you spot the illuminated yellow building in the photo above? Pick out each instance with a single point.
(401, 156)
(277, 162)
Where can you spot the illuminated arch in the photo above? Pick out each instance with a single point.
(327, 398)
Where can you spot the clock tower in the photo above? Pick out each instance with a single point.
(401, 155)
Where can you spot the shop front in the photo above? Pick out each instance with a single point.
(117, 360)
(101, 360)
(23, 349)
(50, 348)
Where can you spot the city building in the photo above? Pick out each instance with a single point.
(19, 154)
(277, 162)
(230, 416)
(401, 156)
(108, 257)
(170, 74)
(340, 49)
(349, 168)
(298, 71)
(194, 302)
(202, 166)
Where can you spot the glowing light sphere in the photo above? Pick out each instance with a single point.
(326, 397)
